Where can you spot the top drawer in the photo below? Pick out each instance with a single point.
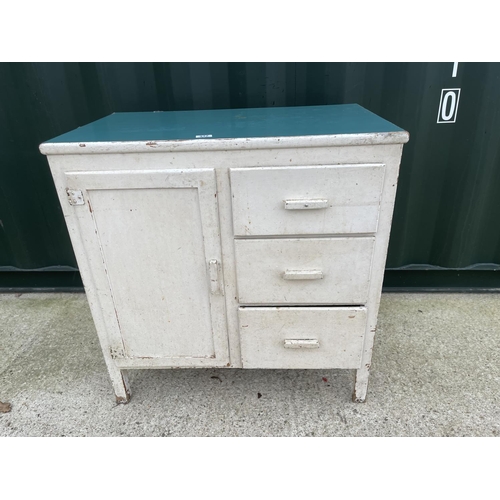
(325, 199)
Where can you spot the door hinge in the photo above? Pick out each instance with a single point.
(75, 197)
(116, 352)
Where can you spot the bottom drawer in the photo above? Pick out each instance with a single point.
(302, 337)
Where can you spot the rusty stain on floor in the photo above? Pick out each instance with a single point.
(5, 407)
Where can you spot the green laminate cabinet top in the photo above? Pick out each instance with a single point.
(230, 124)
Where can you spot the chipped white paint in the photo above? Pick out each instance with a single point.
(174, 238)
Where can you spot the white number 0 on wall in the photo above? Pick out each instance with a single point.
(448, 106)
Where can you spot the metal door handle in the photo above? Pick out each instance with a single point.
(301, 344)
(306, 204)
(213, 274)
(303, 274)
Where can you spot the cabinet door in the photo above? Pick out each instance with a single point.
(152, 242)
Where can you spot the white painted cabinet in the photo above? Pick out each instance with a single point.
(262, 246)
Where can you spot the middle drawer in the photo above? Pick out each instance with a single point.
(304, 271)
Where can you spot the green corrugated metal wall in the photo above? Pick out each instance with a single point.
(447, 204)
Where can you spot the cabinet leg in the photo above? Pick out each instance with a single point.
(361, 384)
(120, 384)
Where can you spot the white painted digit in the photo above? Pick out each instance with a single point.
(448, 106)
(447, 116)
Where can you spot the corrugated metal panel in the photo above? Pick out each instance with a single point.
(447, 205)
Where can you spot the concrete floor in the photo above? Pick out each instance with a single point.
(435, 372)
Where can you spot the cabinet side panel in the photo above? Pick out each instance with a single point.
(392, 160)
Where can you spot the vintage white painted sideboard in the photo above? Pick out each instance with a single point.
(250, 238)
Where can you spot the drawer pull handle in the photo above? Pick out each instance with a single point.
(301, 344)
(303, 274)
(305, 204)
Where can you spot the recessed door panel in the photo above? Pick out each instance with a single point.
(158, 236)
